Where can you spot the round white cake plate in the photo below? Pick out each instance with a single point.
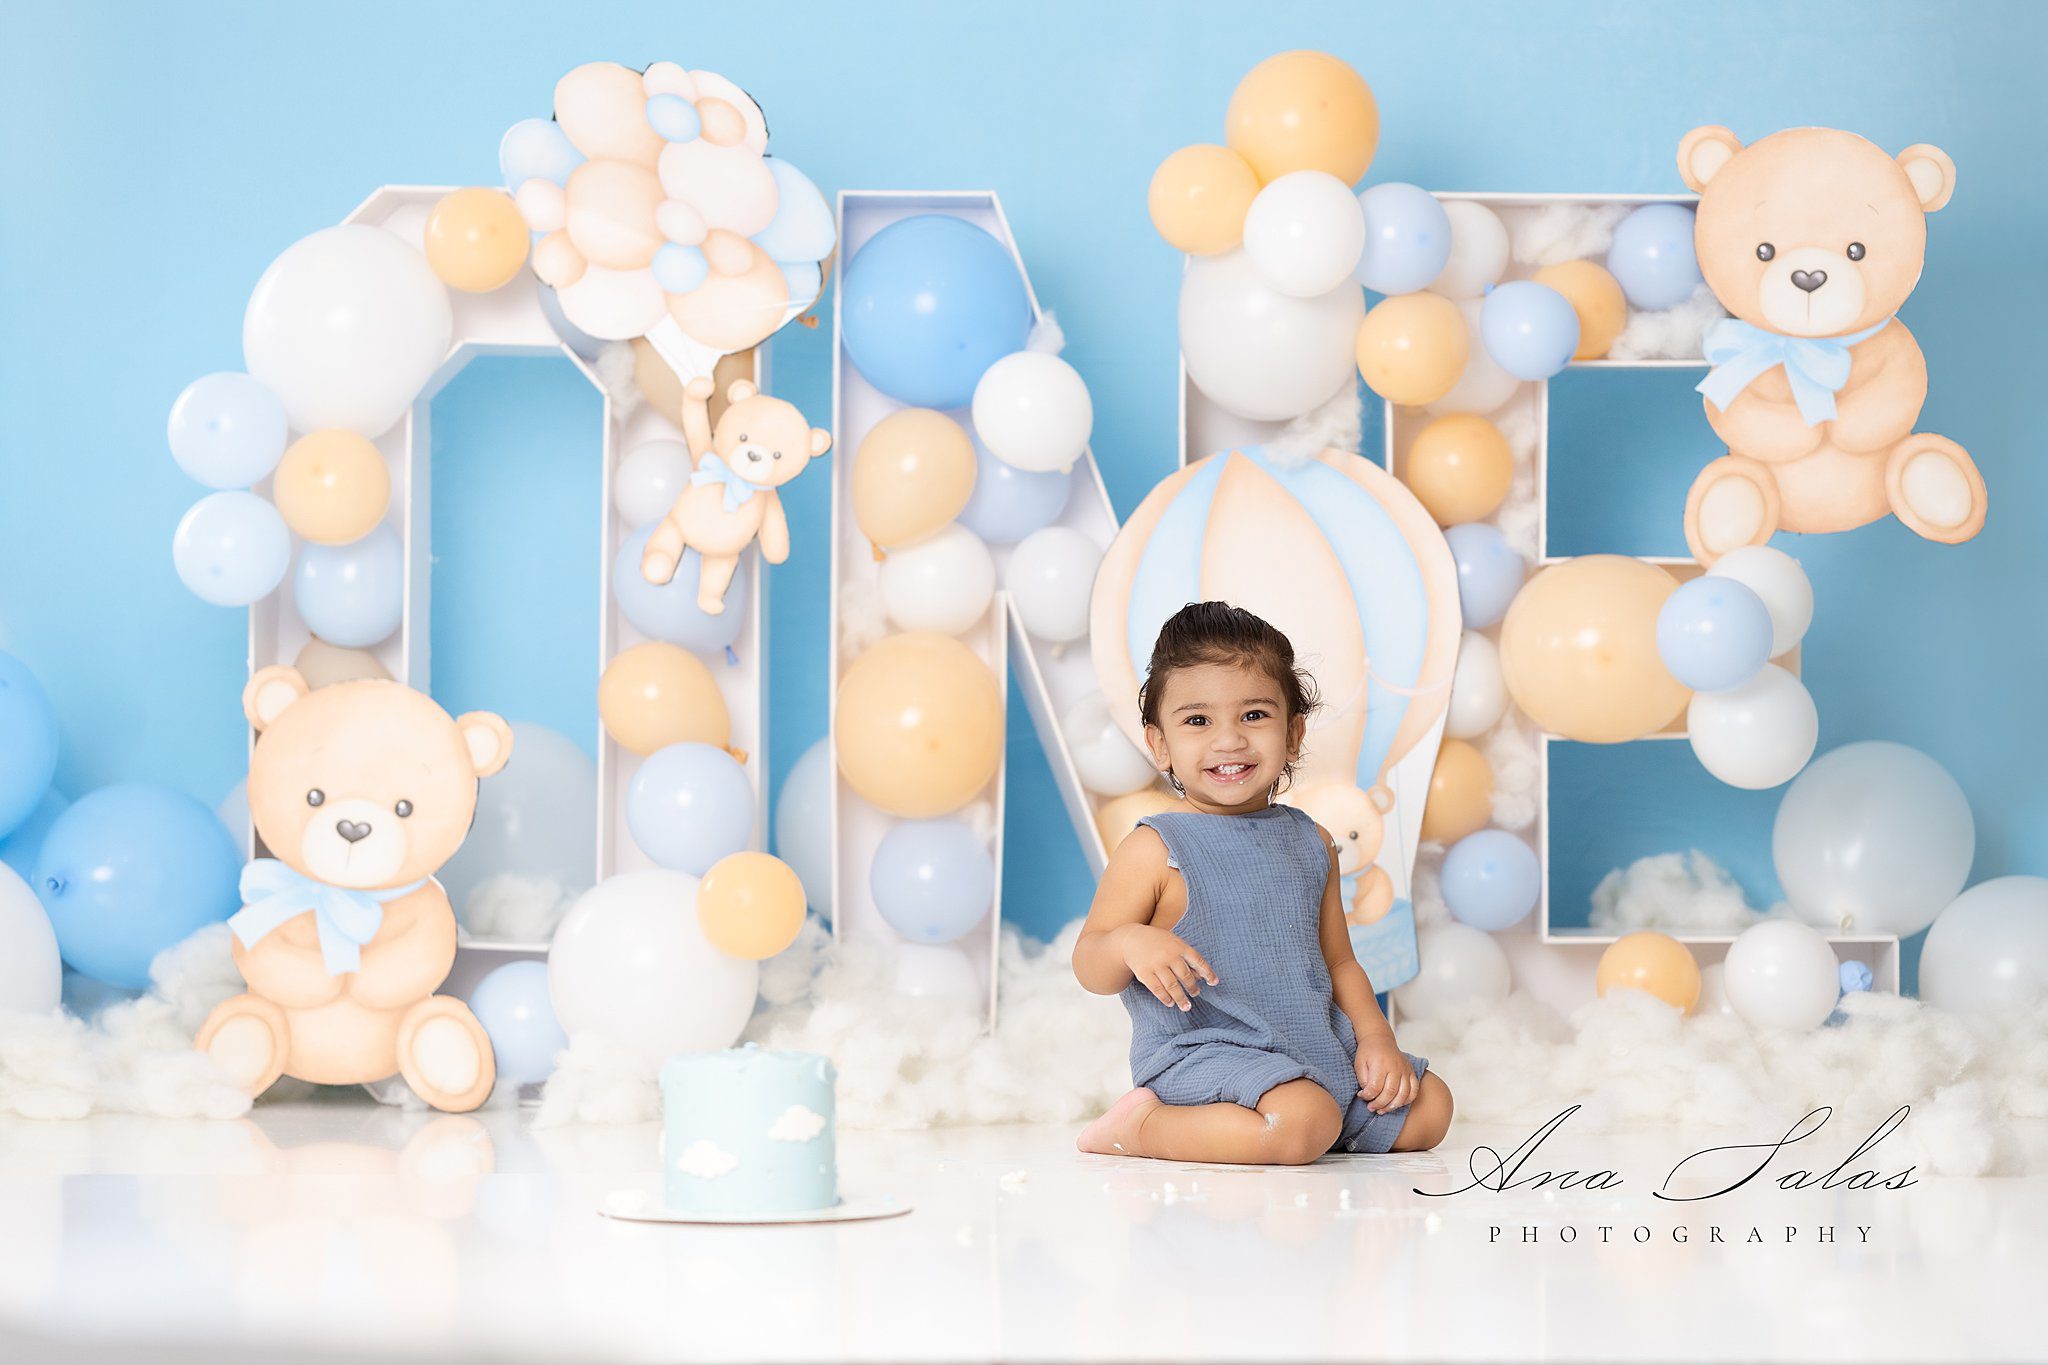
(646, 1206)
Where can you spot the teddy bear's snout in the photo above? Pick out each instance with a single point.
(1809, 280)
(354, 841)
(352, 830)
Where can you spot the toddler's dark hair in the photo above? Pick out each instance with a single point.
(1219, 633)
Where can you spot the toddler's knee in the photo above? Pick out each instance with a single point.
(1301, 1124)
(1429, 1116)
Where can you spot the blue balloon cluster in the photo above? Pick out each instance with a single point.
(689, 805)
(932, 880)
(1714, 633)
(513, 1005)
(669, 611)
(1652, 257)
(1491, 880)
(1489, 572)
(1009, 503)
(352, 595)
(927, 305)
(1529, 329)
(1407, 238)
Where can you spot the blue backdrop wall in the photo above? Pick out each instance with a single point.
(163, 154)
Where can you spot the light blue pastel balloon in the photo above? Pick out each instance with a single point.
(512, 1004)
(1652, 256)
(1489, 572)
(803, 824)
(802, 229)
(927, 305)
(227, 430)
(689, 805)
(20, 849)
(352, 595)
(670, 612)
(231, 549)
(1529, 329)
(574, 337)
(679, 269)
(130, 870)
(805, 280)
(1714, 633)
(28, 742)
(933, 880)
(1407, 238)
(1491, 880)
(537, 147)
(1009, 503)
(673, 118)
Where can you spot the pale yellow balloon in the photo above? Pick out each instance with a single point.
(750, 905)
(1596, 297)
(657, 694)
(323, 665)
(1460, 468)
(332, 487)
(1199, 198)
(1579, 650)
(1412, 348)
(476, 240)
(1460, 794)
(1304, 111)
(1115, 819)
(610, 215)
(918, 724)
(1649, 961)
(911, 476)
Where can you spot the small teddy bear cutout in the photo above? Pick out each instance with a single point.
(1812, 238)
(361, 790)
(1356, 823)
(760, 444)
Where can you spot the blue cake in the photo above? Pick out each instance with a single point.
(748, 1130)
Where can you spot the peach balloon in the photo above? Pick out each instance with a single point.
(1199, 198)
(1460, 468)
(323, 665)
(1578, 650)
(742, 302)
(911, 476)
(476, 240)
(657, 694)
(1304, 111)
(610, 214)
(750, 905)
(1115, 820)
(1596, 297)
(1412, 348)
(601, 106)
(1460, 794)
(1649, 961)
(332, 487)
(918, 724)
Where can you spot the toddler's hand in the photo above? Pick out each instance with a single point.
(1385, 1078)
(1165, 965)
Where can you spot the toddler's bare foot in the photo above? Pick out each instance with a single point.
(1116, 1132)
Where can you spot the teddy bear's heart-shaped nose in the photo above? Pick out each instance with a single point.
(1809, 280)
(352, 830)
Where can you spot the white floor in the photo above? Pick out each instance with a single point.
(340, 1229)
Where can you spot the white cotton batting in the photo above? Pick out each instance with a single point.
(1551, 234)
(1671, 891)
(515, 907)
(863, 621)
(1670, 334)
(1510, 750)
(599, 1080)
(1338, 424)
(614, 367)
(1046, 335)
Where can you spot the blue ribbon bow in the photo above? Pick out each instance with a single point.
(274, 892)
(1818, 367)
(714, 469)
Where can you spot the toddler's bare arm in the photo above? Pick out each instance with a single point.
(1126, 896)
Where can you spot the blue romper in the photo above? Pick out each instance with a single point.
(1254, 910)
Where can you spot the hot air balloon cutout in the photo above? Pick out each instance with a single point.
(1341, 557)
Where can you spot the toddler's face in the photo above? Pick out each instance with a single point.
(1224, 732)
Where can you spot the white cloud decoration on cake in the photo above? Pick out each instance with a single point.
(707, 1159)
(797, 1124)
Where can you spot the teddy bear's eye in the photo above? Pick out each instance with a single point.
(315, 797)
(1765, 251)
(743, 436)
(404, 808)
(778, 454)
(1352, 835)
(1855, 251)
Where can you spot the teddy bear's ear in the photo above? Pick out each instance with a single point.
(270, 692)
(740, 391)
(1382, 799)
(488, 738)
(821, 441)
(1932, 172)
(1703, 151)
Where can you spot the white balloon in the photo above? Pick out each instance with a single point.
(536, 817)
(1304, 233)
(803, 824)
(630, 962)
(1461, 969)
(1258, 353)
(1757, 735)
(1108, 763)
(1713, 991)
(1032, 410)
(1777, 578)
(1479, 692)
(1781, 974)
(1050, 577)
(346, 327)
(649, 479)
(31, 972)
(1484, 386)
(943, 582)
(1989, 949)
(1479, 251)
(937, 971)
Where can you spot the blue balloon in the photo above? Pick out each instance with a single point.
(231, 549)
(932, 880)
(352, 595)
(803, 824)
(129, 871)
(928, 304)
(28, 742)
(1529, 329)
(1009, 503)
(1491, 880)
(1714, 633)
(20, 849)
(673, 118)
(1489, 572)
(806, 280)
(670, 612)
(803, 228)
(227, 430)
(680, 269)
(512, 1004)
(1407, 238)
(1652, 257)
(537, 148)
(574, 337)
(689, 805)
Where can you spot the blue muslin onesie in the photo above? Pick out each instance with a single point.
(1254, 911)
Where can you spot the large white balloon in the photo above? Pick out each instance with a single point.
(1479, 692)
(1032, 410)
(1777, 578)
(937, 971)
(1757, 735)
(1261, 354)
(31, 972)
(1108, 763)
(1461, 969)
(942, 583)
(631, 962)
(1484, 386)
(536, 817)
(1304, 233)
(1050, 576)
(1479, 251)
(346, 327)
(803, 824)
(1781, 974)
(1875, 837)
(649, 479)
(1713, 991)
(1989, 949)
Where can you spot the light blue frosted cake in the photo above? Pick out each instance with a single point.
(748, 1130)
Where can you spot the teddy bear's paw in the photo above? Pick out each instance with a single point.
(711, 606)
(249, 1039)
(445, 1055)
(1733, 502)
(657, 568)
(1935, 488)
